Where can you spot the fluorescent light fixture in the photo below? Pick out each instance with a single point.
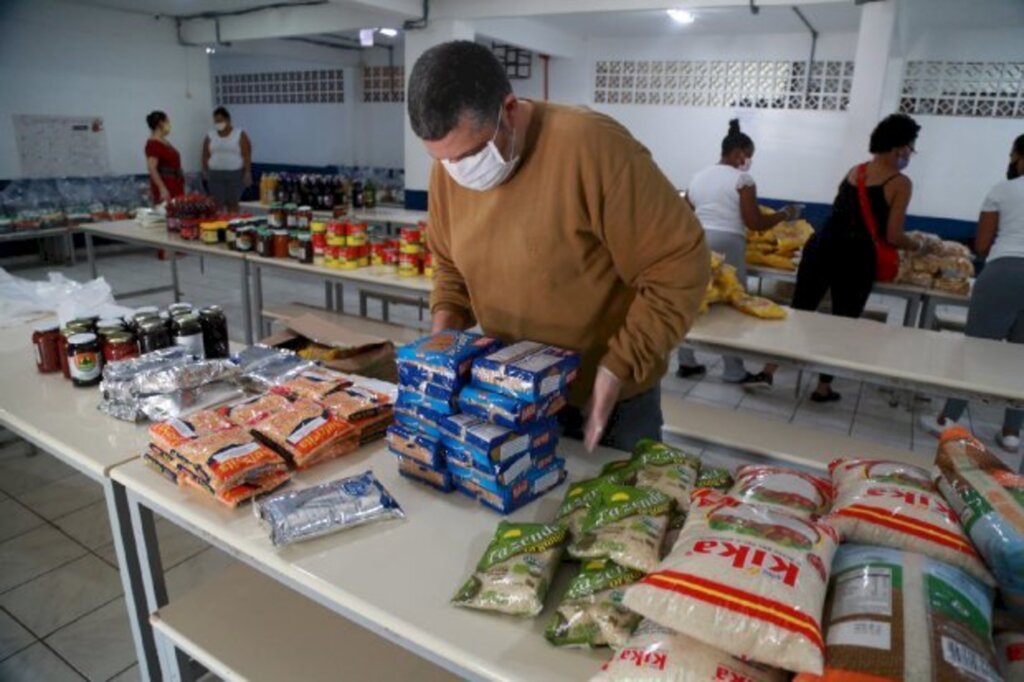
(211, 50)
(366, 37)
(389, 32)
(681, 16)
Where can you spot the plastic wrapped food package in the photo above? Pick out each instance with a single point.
(255, 409)
(626, 525)
(1010, 652)
(537, 482)
(657, 654)
(297, 515)
(354, 403)
(668, 470)
(315, 383)
(163, 406)
(515, 572)
(444, 358)
(795, 491)
(758, 307)
(493, 443)
(234, 496)
(591, 612)
(438, 478)
(226, 459)
(414, 445)
(989, 501)
(716, 478)
(896, 505)
(505, 410)
(748, 579)
(306, 434)
(527, 370)
(584, 495)
(895, 615)
(261, 368)
(172, 433)
(431, 397)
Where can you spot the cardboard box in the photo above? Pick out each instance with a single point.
(354, 349)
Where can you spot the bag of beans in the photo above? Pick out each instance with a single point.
(626, 525)
(790, 489)
(591, 613)
(514, 574)
(656, 654)
(748, 579)
(896, 505)
(989, 500)
(893, 615)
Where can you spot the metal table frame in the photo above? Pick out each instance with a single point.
(66, 233)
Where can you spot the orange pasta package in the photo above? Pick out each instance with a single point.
(748, 579)
(227, 458)
(237, 494)
(254, 410)
(896, 505)
(356, 403)
(307, 433)
(314, 384)
(168, 435)
(790, 489)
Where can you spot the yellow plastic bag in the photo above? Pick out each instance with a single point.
(758, 307)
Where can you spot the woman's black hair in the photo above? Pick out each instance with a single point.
(736, 139)
(155, 118)
(894, 131)
(1018, 145)
(222, 112)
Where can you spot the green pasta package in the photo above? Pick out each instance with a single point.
(583, 495)
(626, 525)
(591, 613)
(514, 574)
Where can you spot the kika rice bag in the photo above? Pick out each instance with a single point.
(514, 574)
(893, 615)
(896, 505)
(989, 500)
(591, 613)
(1010, 651)
(656, 654)
(668, 470)
(793, 490)
(745, 578)
(626, 525)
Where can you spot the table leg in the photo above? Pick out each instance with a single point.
(928, 313)
(257, 291)
(132, 580)
(328, 295)
(69, 244)
(362, 304)
(913, 311)
(246, 303)
(174, 276)
(90, 255)
(339, 297)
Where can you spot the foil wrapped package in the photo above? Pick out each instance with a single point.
(261, 368)
(297, 515)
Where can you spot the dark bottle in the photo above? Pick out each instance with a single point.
(357, 194)
(153, 335)
(215, 332)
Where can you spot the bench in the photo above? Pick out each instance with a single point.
(388, 300)
(242, 625)
(770, 438)
(385, 330)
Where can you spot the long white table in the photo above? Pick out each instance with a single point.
(396, 215)
(903, 358)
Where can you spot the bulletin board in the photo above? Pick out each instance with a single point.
(61, 146)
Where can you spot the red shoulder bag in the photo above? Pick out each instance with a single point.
(887, 258)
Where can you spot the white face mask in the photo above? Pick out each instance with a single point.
(221, 126)
(486, 169)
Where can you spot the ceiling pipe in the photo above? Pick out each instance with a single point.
(415, 24)
(814, 49)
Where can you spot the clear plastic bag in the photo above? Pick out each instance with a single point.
(23, 300)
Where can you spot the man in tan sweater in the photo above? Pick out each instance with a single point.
(554, 224)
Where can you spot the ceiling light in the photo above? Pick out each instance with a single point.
(211, 50)
(389, 32)
(366, 37)
(681, 16)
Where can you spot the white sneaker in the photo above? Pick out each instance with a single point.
(931, 424)
(1009, 443)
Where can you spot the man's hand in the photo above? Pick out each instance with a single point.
(602, 401)
(448, 319)
(165, 195)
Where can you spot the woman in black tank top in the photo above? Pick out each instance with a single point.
(840, 258)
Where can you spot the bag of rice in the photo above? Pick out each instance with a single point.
(749, 579)
(591, 612)
(714, 478)
(896, 505)
(1010, 651)
(989, 500)
(790, 489)
(657, 654)
(626, 525)
(668, 470)
(515, 572)
(583, 495)
(894, 615)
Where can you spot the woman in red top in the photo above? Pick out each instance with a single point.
(166, 179)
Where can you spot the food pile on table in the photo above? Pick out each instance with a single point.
(880, 570)
(479, 418)
(725, 287)
(780, 246)
(939, 264)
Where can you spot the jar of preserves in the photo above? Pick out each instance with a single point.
(208, 232)
(276, 216)
(408, 265)
(303, 217)
(179, 308)
(231, 233)
(279, 244)
(119, 346)
(428, 264)
(306, 244)
(264, 242)
(187, 332)
(244, 239)
(189, 229)
(46, 340)
(214, 324)
(87, 322)
(355, 234)
(296, 251)
(110, 324)
(84, 359)
(153, 335)
(336, 233)
(290, 217)
(66, 332)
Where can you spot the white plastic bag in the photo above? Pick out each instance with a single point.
(23, 300)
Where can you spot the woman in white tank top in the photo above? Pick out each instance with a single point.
(227, 161)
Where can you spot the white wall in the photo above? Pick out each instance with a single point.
(349, 133)
(64, 59)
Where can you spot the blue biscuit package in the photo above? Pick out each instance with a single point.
(412, 444)
(507, 474)
(419, 419)
(445, 358)
(543, 434)
(494, 443)
(527, 370)
(458, 469)
(428, 400)
(467, 487)
(457, 453)
(439, 479)
(536, 483)
(505, 410)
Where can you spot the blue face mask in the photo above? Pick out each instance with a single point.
(903, 162)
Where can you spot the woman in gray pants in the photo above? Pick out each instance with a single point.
(997, 302)
(227, 161)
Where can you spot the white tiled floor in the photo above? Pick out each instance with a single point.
(61, 611)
